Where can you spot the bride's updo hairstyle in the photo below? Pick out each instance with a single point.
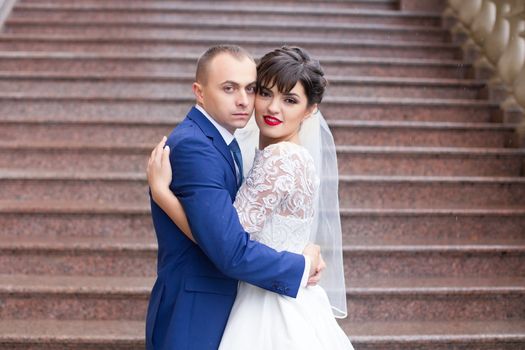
(286, 66)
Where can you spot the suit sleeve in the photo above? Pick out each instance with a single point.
(199, 183)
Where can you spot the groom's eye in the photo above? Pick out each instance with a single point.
(250, 89)
(228, 88)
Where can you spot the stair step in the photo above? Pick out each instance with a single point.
(360, 225)
(122, 257)
(71, 334)
(343, 4)
(180, 84)
(172, 13)
(128, 335)
(388, 109)
(431, 192)
(461, 335)
(152, 64)
(424, 285)
(226, 28)
(127, 257)
(413, 161)
(90, 131)
(355, 191)
(198, 43)
(438, 260)
(76, 158)
(23, 106)
(74, 186)
(402, 87)
(435, 299)
(346, 132)
(421, 134)
(407, 299)
(353, 160)
(57, 219)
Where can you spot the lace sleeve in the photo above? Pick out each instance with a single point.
(277, 183)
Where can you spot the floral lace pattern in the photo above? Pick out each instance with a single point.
(276, 202)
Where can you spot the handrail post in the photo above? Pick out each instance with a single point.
(5, 9)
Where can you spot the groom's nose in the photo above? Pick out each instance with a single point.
(242, 98)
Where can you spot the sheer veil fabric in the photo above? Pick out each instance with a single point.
(317, 138)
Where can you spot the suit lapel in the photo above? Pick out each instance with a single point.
(211, 131)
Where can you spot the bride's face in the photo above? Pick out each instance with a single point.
(279, 115)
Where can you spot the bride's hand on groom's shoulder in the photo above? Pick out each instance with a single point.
(159, 169)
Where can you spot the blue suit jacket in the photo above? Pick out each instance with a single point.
(196, 284)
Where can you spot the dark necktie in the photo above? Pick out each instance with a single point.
(237, 156)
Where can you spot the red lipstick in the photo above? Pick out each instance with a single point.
(272, 121)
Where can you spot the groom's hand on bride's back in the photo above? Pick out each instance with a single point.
(317, 264)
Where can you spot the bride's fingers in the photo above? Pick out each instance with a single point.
(153, 153)
(158, 151)
(151, 157)
(158, 155)
(166, 156)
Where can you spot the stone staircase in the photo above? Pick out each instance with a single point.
(432, 188)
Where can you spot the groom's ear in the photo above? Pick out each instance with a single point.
(197, 91)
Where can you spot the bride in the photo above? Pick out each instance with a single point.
(289, 198)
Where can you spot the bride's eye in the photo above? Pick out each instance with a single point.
(290, 101)
(264, 93)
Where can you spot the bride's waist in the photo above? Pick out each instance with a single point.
(285, 234)
(295, 248)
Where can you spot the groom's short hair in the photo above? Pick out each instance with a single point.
(201, 75)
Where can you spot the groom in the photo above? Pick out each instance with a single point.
(197, 284)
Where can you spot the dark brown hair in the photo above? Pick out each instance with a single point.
(286, 66)
(205, 59)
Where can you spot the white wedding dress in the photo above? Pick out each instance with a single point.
(276, 206)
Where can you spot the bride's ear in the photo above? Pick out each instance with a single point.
(310, 111)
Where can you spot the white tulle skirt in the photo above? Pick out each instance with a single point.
(268, 321)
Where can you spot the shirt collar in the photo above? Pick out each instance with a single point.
(226, 135)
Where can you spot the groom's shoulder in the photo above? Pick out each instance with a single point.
(187, 132)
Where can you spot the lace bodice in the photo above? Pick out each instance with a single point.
(276, 202)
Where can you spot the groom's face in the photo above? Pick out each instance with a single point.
(228, 93)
